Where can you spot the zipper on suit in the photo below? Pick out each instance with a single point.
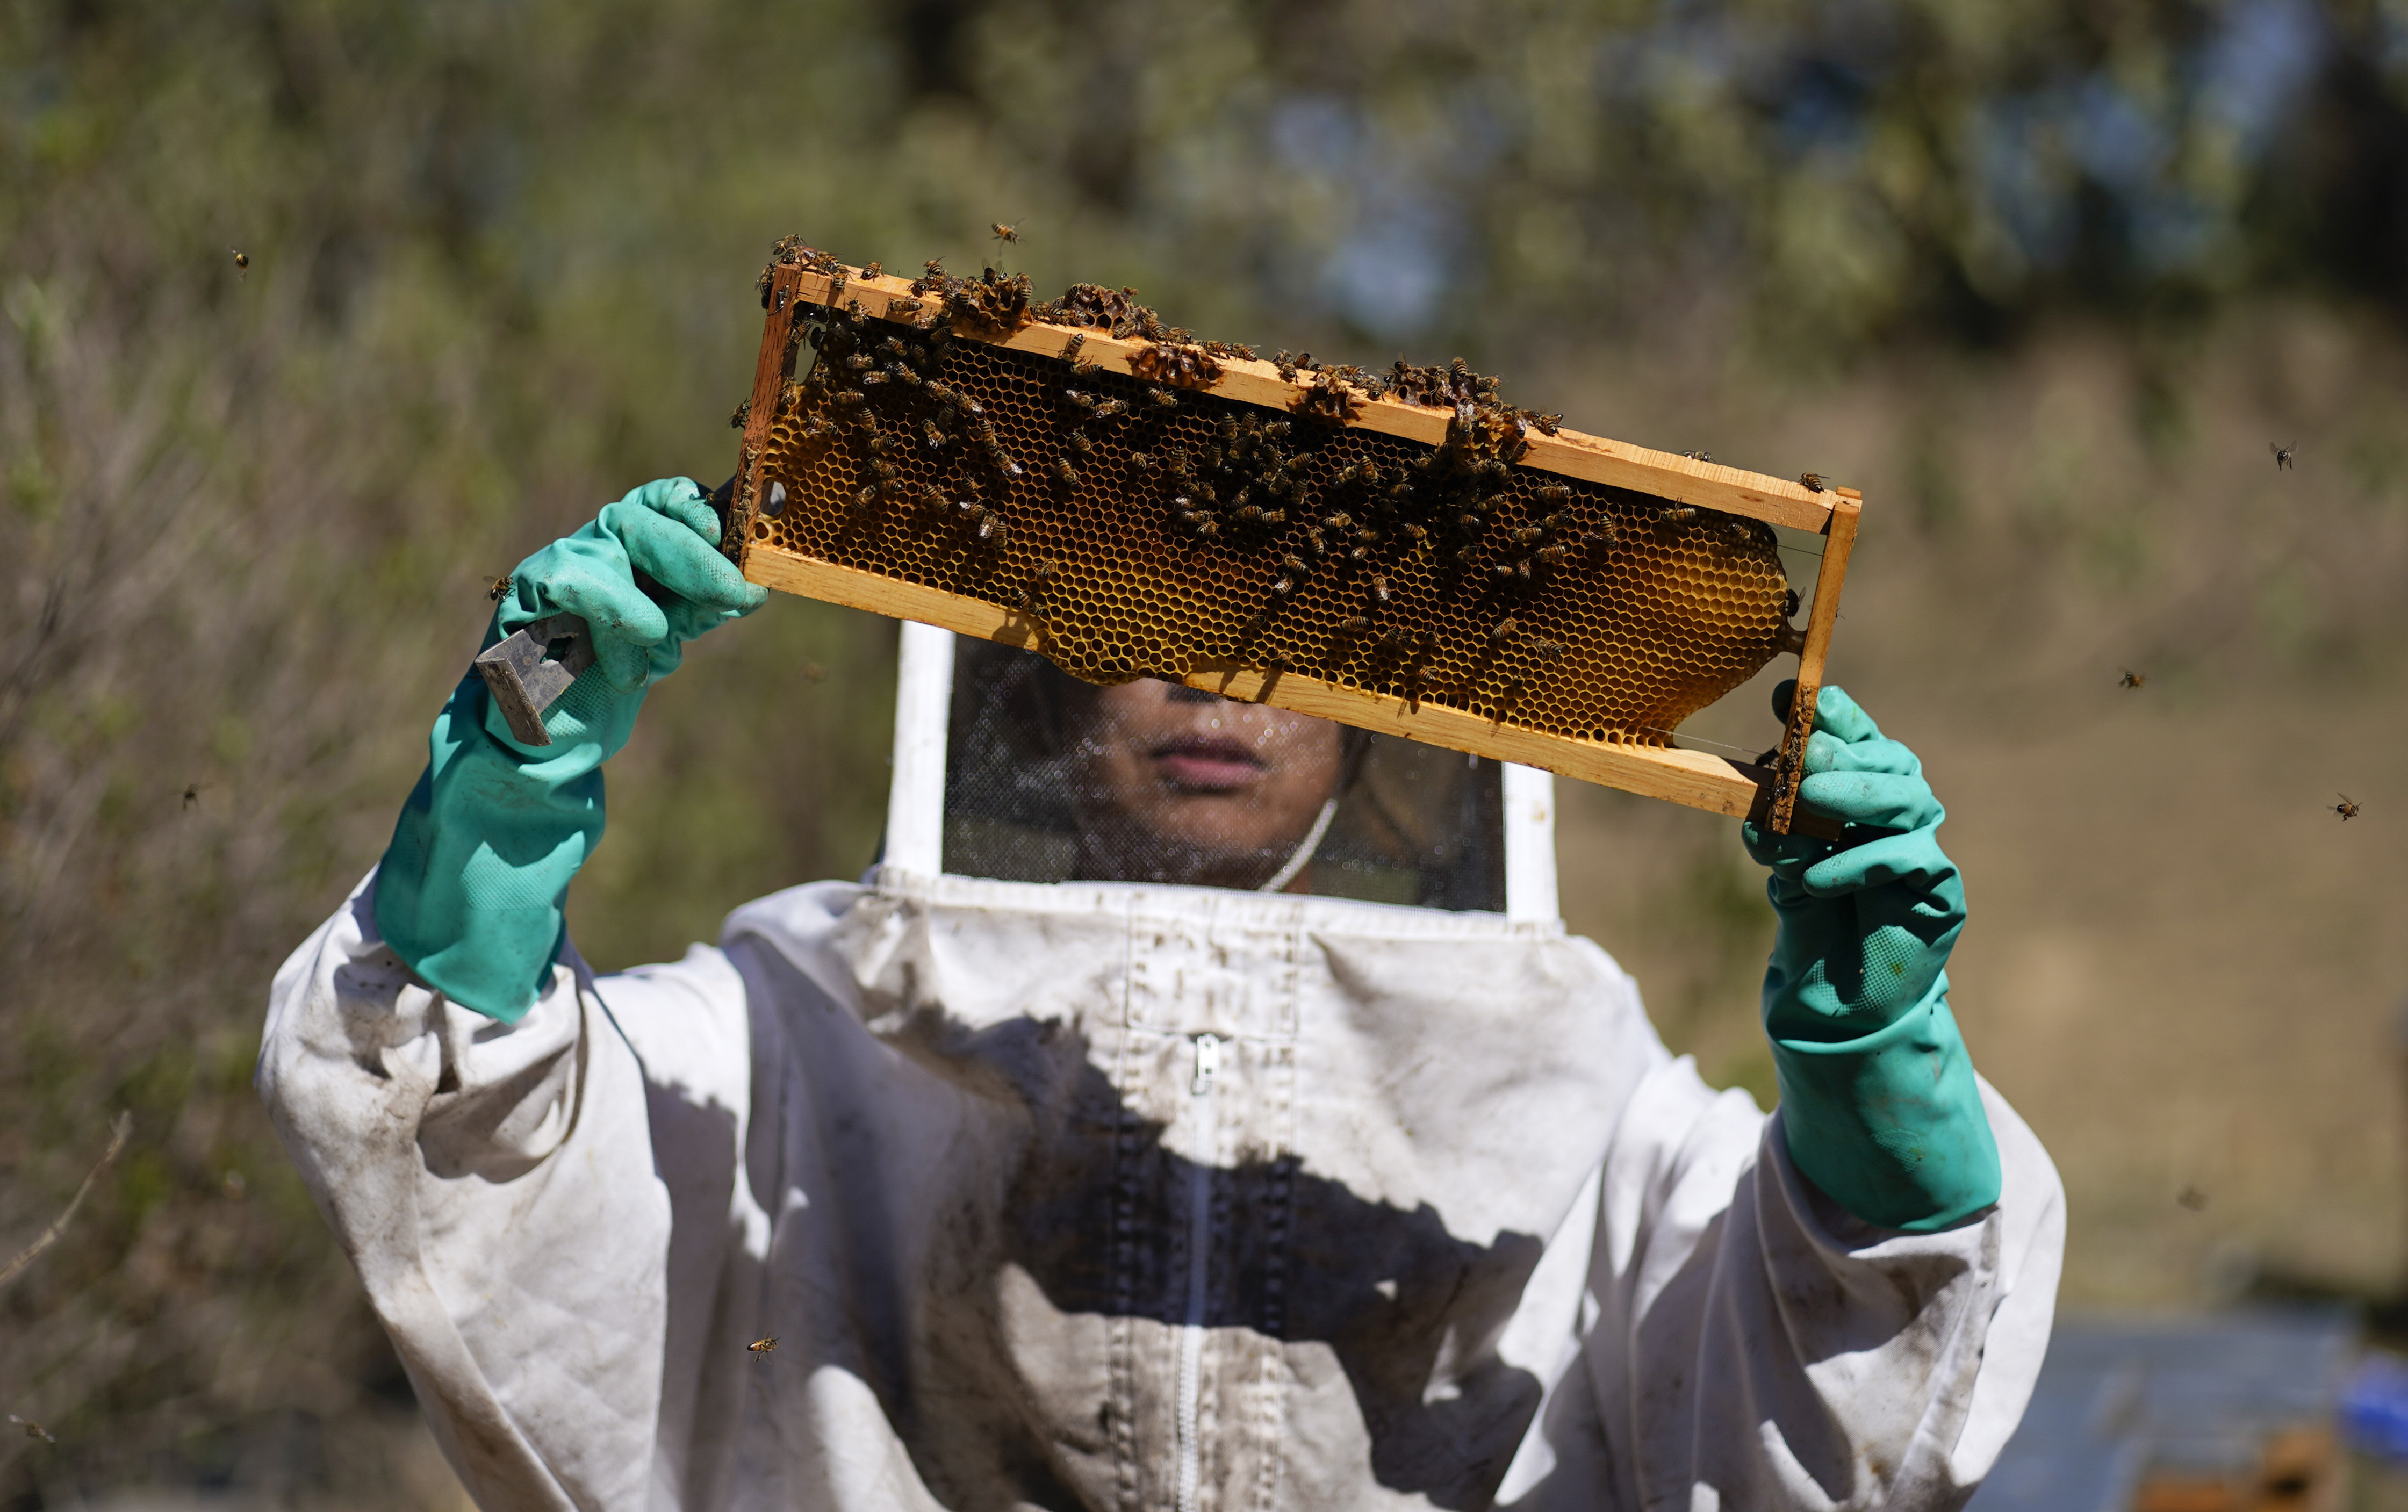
(1199, 1240)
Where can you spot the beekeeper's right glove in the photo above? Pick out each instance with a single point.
(471, 888)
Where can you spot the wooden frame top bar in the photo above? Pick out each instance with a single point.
(1662, 474)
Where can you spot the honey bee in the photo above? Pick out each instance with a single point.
(1789, 602)
(873, 270)
(2283, 455)
(241, 265)
(1111, 408)
(736, 417)
(762, 1349)
(993, 531)
(1005, 234)
(1503, 629)
(1547, 650)
(2133, 679)
(1813, 481)
(864, 499)
(1706, 456)
(1549, 423)
(1064, 472)
(495, 589)
(2346, 809)
(1678, 514)
(2191, 1198)
(33, 1429)
(1354, 626)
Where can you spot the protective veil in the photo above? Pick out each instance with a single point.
(1350, 1180)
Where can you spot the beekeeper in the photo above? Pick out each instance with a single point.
(1106, 1147)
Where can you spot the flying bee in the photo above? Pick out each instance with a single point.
(1813, 481)
(2346, 809)
(2191, 1198)
(762, 1349)
(241, 265)
(193, 793)
(499, 586)
(2133, 679)
(33, 1429)
(1005, 234)
(2282, 454)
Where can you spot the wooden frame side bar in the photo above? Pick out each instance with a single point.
(770, 371)
(1570, 453)
(1789, 768)
(1692, 778)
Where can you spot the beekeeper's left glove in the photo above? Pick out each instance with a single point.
(470, 891)
(1878, 1099)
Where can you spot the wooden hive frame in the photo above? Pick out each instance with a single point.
(1692, 778)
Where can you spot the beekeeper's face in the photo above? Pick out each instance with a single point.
(1220, 793)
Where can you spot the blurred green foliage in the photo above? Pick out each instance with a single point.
(500, 268)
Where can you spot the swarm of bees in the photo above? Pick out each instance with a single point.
(1331, 398)
(1339, 530)
(1177, 363)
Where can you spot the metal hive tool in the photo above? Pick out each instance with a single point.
(1460, 574)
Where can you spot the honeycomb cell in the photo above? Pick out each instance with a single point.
(1215, 532)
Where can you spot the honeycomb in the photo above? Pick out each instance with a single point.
(1156, 530)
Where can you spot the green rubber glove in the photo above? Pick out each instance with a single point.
(1877, 1094)
(469, 892)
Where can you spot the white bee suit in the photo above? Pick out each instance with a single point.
(1110, 1197)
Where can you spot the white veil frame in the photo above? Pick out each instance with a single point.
(915, 800)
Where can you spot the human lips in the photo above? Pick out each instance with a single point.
(1215, 763)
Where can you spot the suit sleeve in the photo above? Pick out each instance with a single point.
(1756, 1345)
(522, 1200)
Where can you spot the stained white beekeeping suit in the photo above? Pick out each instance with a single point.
(1198, 1107)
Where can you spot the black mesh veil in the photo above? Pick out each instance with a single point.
(1050, 779)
